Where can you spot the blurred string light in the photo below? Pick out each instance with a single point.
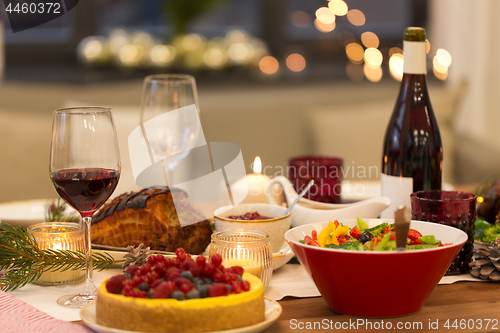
(131, 55)
(369, 39)
(365, 59)
(373, 57)
(301, 19)
(396, 65)
(191, 51)
(356, 17)
(355, 53)
(325, 15)
(373, 74)
(237, 36)
(240, 53)
(215, 58)
(269, 65)
(445, 56)
(91, 49)
(338, 7)
(192, 42)
(296, 62)
(117, 39)
(162, 55)
(440, 64)
(394, 50)
(323, 27)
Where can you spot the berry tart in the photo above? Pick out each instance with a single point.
(180, 294)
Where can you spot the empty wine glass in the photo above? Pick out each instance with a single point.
(85, 168)
(173, 138)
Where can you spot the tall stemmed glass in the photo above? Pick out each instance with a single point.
(85, 168)
(168, 92)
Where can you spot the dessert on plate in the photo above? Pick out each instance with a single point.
(180, 294)
(149, 217)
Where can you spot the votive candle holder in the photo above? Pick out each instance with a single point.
(250, 249)
(59, 236)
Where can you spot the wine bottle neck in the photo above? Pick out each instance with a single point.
(414, 58)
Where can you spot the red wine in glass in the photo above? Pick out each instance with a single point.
(84, 167)
(85, 189)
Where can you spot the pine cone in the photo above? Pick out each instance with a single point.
(487, 264)
(136, 256)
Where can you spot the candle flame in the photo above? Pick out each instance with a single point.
(257, 165)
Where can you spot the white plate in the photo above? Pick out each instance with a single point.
(24, 213)
(282, 257)
(272, 313)
(279, 258)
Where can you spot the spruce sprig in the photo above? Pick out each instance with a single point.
(57, 212)
(23, 262)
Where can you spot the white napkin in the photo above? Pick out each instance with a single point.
(457, 278)
(291, 280)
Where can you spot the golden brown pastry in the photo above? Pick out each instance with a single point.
(149, 217)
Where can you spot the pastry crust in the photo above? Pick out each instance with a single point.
(149, 217)
(170, 315)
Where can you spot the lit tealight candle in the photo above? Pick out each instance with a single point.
(249, 249)
(256, 184)
(59, 236)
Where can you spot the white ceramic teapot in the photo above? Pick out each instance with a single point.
(309, 211)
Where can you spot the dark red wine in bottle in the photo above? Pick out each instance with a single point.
(85, 189)
(413, 153)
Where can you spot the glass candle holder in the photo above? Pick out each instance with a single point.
(456, 209)
(327, 175)
(249, 249)
(59, 236)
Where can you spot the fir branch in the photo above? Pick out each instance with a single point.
(24, 262)
(56, 212)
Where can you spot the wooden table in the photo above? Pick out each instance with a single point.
(461, 301)
(476, 304)
(469, 303)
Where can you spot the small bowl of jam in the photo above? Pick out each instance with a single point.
(255, 216)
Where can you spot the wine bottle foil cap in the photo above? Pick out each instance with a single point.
(414, 34)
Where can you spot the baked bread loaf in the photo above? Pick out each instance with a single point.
(149, 217)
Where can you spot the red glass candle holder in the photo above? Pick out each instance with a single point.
(327, 175)
(456, 209)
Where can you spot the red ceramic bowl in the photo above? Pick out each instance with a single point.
(377, 284)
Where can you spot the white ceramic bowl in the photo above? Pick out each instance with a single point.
(274, 227)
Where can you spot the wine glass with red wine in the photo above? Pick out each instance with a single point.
(85, 168)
